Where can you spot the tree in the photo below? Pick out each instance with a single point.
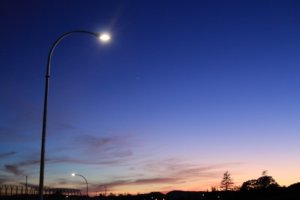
(249, 185)
(262, 183)
(227, 182)
(266, 182)
(214, 189)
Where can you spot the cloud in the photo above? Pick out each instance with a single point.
(62, 181)
(4, 155)
(86, 162)
(99, 150)
(20, 168)
(168, 173)
(180, 169)
(134, 182)
(3, 180)
(14, 169)
(155, 181)
(29, 162)
(92, 142)
(146, 181)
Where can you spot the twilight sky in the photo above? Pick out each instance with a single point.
(185, 91)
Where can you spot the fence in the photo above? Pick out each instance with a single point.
(15, 190)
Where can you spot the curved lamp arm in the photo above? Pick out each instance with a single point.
(58, 40)
(87, 184)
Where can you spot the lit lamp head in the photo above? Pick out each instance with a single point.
(73, 174)
(104, 37)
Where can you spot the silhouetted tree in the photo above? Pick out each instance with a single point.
(266, 182)
(294, 189)
(227, 181)
(214, 188)
(295, 186)
(262, 183)
(249, 185)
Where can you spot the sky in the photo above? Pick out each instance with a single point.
(183, 92)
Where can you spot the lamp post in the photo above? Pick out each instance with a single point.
(26, 191)
(103, 38)
(87, 185)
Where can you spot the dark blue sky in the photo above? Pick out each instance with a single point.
(197, 87)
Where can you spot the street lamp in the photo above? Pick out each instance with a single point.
(104, 38)
(87, 185)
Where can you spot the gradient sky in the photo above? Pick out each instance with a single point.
(185, 91)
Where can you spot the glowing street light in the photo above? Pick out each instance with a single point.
(103, 38)
(87, 185)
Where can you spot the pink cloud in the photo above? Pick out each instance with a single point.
(167, 174)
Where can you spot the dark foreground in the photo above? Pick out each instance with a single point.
(177, 195)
